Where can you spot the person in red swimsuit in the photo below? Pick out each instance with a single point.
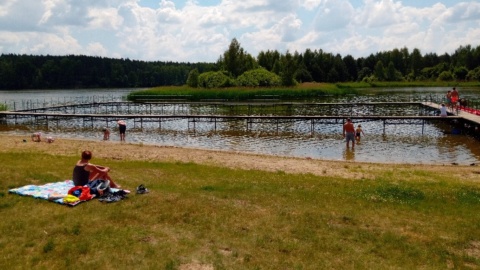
(454, 98)
(349, 132)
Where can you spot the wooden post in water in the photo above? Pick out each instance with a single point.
(277, 126)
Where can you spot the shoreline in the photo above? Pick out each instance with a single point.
(112, 150)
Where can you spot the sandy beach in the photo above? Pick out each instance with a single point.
(126, 151)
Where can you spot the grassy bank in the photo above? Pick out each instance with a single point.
(208, 216)
(299, 92)
(240, 94)
(360, 85)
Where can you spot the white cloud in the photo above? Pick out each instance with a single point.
(310, 4)
(40, 43)
(334, 15)
(105, 18)
(191, 31)
(96, 49)
(380, 13)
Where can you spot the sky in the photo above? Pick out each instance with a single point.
(201, 30)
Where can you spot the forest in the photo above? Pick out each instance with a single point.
(237, 68)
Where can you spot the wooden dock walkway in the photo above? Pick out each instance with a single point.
(139, 119)
(106, 119)
(462, 114)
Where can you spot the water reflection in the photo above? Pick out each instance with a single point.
(349, 154)
(410, 143)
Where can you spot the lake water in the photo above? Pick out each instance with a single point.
(432, 144)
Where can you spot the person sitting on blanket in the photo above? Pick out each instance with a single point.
(85, 171)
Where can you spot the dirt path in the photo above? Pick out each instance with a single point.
(126, 151)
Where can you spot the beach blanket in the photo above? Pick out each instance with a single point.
(54, 192)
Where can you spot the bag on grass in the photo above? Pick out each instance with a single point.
(99, 187)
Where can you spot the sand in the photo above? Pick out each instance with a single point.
(127, 151)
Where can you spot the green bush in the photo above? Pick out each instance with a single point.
(192, 79)
(474, 75)
(258, 77)
(445, 76)
(214, 79)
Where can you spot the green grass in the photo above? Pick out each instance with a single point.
(240, 219)
(240, 94)
(446, 84)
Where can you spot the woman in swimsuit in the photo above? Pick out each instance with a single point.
(85, 171)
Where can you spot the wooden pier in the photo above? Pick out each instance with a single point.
(464, 115)
(234, 108)
(108, 119)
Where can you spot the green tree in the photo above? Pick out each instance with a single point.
(416, 62)
(351, 66)
(380, 71)
(288, 69)
(192, 79)
(396, 57)
(364, 73)
(236, 61)
(392, 74)
(268, 59)
(460, 73)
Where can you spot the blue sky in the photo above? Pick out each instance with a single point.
(201, 30)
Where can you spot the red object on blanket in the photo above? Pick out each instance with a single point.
(83, 193)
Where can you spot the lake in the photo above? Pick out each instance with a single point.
(432, 144)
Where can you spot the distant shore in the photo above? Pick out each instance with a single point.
(105, 150)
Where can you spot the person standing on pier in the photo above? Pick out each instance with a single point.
(122, 127)
(449, 99)
(455, 98)
(349, 132)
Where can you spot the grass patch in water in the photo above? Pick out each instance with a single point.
(240, 94)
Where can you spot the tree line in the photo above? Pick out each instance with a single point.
(236, 67)
(80, 71)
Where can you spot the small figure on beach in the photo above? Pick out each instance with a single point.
(106, 134)
(358, 133)
(84, 171)
(37, 137)
(349, 132)
(443, 110)
(122, 127)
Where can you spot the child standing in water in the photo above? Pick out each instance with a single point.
(106, 134)
(359, 132)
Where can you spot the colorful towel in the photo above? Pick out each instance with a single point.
(54, 192)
